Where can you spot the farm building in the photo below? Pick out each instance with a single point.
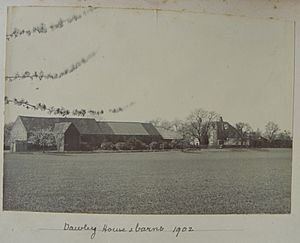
(122, 131)
(67, 136)
(25, 126)
(168, 135)
(223, 134)
(74, 134)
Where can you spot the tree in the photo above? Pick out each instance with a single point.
(285, 135)
(177, 125)
(198, 124)
(284, 139)
(7, 129)
(257, 133)
(271, 131)
(43, 138)
(158, 122)
(244, 130)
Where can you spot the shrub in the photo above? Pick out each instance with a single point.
(107, 146)
(154, 145)
(180, 144)
(165, 145)
(135, 144)
(84, 146)
(121, 146)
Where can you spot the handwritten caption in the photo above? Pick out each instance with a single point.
(137, 228)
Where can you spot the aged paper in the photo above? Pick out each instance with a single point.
(106, 81)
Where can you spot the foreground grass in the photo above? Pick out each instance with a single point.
(252, 181)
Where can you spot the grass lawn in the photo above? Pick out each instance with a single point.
(225, 182)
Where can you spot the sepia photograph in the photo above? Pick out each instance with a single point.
(148, 112)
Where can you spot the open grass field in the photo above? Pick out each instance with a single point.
(207, 182)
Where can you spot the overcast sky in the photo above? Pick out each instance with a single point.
(168, 63)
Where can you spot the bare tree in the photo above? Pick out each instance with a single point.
(285, 139)
(255, 134)
(285, 135)
(177, 125)
(158, 122)
(198, 124)
(271, 131)
(244, 130)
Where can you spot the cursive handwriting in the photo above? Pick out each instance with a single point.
(137, 228)
(85, 227)
(141, 229)
(108, 229)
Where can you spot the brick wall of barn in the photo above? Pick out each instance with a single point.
(90, 141)
(72, 139)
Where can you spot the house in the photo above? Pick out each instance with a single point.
(223, 134)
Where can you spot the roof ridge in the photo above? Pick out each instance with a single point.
(126, 122)
(58, 117)
(63, 122)
(84, 125)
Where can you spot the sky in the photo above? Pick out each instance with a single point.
(168, 63)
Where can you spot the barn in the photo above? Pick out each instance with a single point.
(63, 129)
(168, 135)
(75, 134)
(122, 131)
(67, 136)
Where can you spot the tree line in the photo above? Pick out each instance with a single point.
(196, 127)
(194, 130)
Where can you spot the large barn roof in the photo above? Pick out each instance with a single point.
(61, 127)
(105, 128)
(127, 128)
(84, 125)
(151, 129)
(89, 126)
(167, 134)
